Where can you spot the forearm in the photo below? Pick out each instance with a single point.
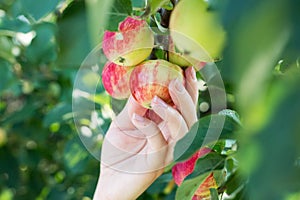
(123, 185)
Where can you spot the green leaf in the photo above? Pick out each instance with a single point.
(39, 9)
(73, 37)
(120, 9)
(277, 142)
(106, 15)
(214, 194)
(43, 47)
(138, 3)
(58, 114)
(15, 25)
(10, 169)
(7, 46)
(208, 163)
(122, 6)
(75, 156)
(267, 29)
(160, 183)
(234, 182)
(206, 130)
(231, 113)
(188, 188)
(117, 105)
(153, 6)
(6, 75)
(25, 113)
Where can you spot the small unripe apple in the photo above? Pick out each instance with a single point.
(202, 37)
(131, 45)
(115, 79)
(178, 58)
(152, 78)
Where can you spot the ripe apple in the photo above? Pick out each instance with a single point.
(131, 45)
(152, 78)
(181, 170)
(115, 79)
(203, 37)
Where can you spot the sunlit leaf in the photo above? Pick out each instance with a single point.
(206, 130)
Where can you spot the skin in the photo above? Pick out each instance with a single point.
(136, 149)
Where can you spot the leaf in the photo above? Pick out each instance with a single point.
(206, 130)
(231, 113)
(10, 169)
(138, 3)
(267, 29)
(58, 114)
(38, 9)
(6, 75)
(214, 194)
(117, 105)
(15, 25)
(208, 163)
(106, 15)
(119, 11)
(73, 37)
(43, 49)
(276, 142)
(75, 156)
(160, 183)
(153, 6)
(189, 187)
(234, 182)
(25, 113)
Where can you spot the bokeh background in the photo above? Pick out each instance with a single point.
(42, 46)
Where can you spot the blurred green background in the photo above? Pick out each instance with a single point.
(44, 42)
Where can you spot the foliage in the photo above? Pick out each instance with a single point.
(43, 44)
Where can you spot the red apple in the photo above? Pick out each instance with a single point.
(181, 170)
(152, 78)
(131, 45)
(115, 79)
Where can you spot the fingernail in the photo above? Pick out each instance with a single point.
(138, 117)
(193, 74)
(159, 102)
(178, 85)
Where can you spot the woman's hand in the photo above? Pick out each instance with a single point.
(136, 149)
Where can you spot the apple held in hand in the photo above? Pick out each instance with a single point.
(131, 45)
(152, 78)
(115, 79)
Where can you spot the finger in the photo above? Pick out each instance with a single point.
(183, 102)
(150, 114)
(191, 84)
(150, 130)
(176, 124)
(132, 106)
(172, 134)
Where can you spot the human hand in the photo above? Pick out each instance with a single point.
(136, 149)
